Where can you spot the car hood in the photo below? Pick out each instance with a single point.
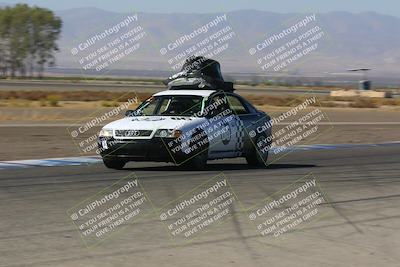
(151, 123)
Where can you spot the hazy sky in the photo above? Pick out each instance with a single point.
(391, 7)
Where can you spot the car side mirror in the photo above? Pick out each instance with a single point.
(130, 113)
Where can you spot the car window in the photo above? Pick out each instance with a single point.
(148, 107)
(236, 105)
(180, 105)
(218, 105)
(171, 106)
(165, 104)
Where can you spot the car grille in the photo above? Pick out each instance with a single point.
(132, 133)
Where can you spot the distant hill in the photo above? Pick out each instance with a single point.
(368, 40)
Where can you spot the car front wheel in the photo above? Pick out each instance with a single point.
(199, 151)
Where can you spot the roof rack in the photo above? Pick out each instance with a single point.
(199, 73)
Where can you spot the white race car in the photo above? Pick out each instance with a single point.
(188, 127)
(198, 119)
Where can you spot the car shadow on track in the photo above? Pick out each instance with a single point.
(223, 167)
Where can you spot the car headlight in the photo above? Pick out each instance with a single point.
(168, 133)
(106, 133)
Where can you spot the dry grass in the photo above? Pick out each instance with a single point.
(324, 101)
(367, 102)
(72, 95)
(108, 104)
(52, 100)
(363, 103)
(284, 101)
(112, 99)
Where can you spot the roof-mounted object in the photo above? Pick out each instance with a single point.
(199, 73)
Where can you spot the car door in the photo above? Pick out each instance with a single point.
(222, 128)
(247, 117)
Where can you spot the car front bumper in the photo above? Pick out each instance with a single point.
(155, 149)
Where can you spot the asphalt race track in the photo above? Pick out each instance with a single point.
(361, 225)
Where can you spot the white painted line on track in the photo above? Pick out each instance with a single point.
(76, 161)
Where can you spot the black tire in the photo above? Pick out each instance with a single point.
(258, 157)
(114, 164)
(199, 154)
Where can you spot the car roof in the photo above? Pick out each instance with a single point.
(202, 93)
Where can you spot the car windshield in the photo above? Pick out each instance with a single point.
(170, 106)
